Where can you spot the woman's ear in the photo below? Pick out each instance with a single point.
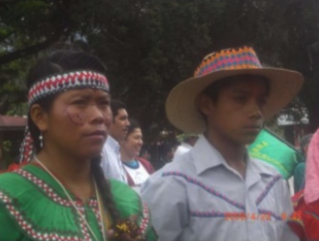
(39, 117)
(205, 104)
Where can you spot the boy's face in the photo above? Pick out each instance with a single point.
(237, 115)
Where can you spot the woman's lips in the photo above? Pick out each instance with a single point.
(97, 135)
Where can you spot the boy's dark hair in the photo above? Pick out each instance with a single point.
(115, 106)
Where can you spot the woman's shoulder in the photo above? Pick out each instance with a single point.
(22, 185)
(123, 193)
(11, 180)
(20, 202)
(140, 159)
(147, 164)
(27, 186)
(21, 172)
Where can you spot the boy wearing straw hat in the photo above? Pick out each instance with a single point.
(216, 191)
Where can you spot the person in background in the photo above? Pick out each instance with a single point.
(137, 169)
(111, 155)
(145, 154)
(15, 164)
(188, 141)
(61, 193)
(216, 191)
(304, 220)
(299, 171)
(166, 154)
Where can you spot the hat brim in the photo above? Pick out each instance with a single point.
(181, 106)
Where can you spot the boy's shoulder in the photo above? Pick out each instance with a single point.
(265, 167)
(182, 163)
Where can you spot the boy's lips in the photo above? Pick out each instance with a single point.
(253, 128)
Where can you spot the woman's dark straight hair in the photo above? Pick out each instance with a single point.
(64, 61)
(133, 125)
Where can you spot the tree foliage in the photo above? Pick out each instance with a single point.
(151, 45)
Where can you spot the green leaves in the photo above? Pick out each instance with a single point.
(149, 46)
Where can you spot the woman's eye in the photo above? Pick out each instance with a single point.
(240, 99)
(79, 102)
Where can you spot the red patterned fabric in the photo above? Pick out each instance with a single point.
(305, 220)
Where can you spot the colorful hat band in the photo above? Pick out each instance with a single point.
(229, 59)
(65, 81)
(56, 84)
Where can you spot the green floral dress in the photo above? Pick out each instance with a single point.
(34, 207)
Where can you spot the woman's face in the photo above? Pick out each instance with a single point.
(78, 122)
(133, 143)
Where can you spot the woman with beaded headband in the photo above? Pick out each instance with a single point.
(61, 192)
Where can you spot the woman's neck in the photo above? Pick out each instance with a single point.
(73, 172)
(125, 157)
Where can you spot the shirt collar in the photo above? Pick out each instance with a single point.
(206, 156)
(113, 143)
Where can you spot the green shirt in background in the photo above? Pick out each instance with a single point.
(299, 176)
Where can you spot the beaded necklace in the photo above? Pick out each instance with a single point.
(73, 203)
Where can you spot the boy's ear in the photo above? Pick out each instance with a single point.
(39, 117)
(205, 104)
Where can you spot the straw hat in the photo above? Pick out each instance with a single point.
(181, 106)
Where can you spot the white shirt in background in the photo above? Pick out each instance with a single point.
(139, 176)
(111, 160)
(181, 149)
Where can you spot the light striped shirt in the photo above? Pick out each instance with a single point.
(201, 198)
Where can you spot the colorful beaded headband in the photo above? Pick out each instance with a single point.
(65, 81)
(56, 84)
(228, 59)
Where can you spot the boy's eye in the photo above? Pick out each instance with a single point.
(262, 102)
(104, 102)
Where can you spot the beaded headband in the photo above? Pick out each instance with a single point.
(56, 84)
